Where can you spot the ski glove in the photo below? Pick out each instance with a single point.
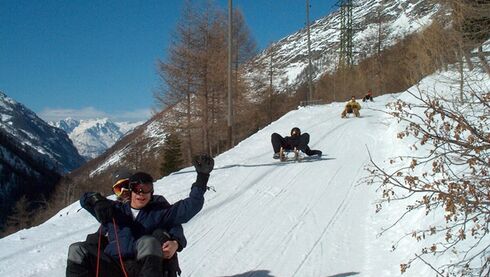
(161, 236)
(103, 210)
(203, 163)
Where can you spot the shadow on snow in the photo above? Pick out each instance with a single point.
(254, 273)
(344, 274)
(275, 163)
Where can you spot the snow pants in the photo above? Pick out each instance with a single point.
(82, 260)
(301, 144)
(346, 111)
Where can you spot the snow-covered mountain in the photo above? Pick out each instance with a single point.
(268, 218)
(93, 137)
(33, 154)
(400, 18)
(397, 18)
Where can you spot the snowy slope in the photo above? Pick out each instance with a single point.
(269, 218)
(289, 219)
(290, 54)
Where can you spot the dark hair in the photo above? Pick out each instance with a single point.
(141, 177)
(296, 130)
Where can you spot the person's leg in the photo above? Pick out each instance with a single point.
(277, 141)
(149, 256)
(78, 261)
(344, 113)
(356, 112)
(82, 261)
(304, 139)
(171, 266)
(310, 152)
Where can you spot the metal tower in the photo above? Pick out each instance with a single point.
(346, 33)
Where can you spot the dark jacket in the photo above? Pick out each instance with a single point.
(296, 142)
(155, 215)
(176, 232)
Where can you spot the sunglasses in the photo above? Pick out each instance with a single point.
(121, 187)
(138, 187)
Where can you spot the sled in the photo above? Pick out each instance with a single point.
(290, 155)
(352, 115)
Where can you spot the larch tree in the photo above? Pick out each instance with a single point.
(194, 79)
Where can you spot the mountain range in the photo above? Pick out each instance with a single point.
(33, 155)
(398, 18)
(93, 137)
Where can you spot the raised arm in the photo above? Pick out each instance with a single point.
(183, 210)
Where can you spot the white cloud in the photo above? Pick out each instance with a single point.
(51, 114)
(132, 116)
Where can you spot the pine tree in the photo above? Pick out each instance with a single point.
(172, 154)
(20, 216)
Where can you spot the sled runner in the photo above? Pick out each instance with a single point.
(290, 155)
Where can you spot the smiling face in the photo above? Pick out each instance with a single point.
(141, 195)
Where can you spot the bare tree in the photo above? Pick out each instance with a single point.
(451, 179)
(194, 79)
(179, 79)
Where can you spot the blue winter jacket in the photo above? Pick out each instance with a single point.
(155, 215)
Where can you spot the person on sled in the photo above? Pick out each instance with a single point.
(133, 228)
(296, 141)
(173, 239)
(351, 107)
(368, 96)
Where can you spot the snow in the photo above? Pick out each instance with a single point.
(288, 219)
(126, 127)
(267, 218)
(114, 159)
(93, 137)
(403, 17)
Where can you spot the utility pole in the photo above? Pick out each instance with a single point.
(230, 100)
(346, 33)
(310, 88)
(271, 91)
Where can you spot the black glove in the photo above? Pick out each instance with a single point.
(103, 210)
(203, 163)
(161, 236)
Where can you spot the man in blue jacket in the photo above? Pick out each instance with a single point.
(134, 228)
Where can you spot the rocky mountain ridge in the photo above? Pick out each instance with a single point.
(398, 18)
(93, 137)
(33, 155)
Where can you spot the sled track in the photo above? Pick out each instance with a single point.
(42, 244)
(306, 211)
(338, 212)
(239, 210)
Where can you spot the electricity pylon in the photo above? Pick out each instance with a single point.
(346, 33)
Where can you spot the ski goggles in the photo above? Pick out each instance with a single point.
(120, 187)
(138, 187)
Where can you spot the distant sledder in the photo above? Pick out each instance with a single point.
(295, 143)
(368, 96)
(351, 107)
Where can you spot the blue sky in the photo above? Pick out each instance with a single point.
(97, 58)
